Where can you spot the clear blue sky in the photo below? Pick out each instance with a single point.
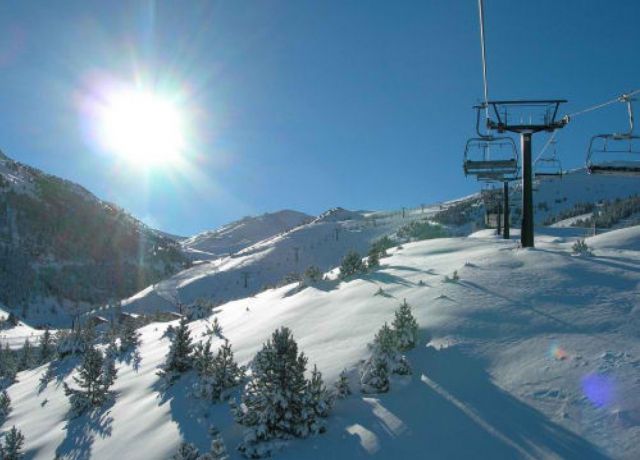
(304, 104)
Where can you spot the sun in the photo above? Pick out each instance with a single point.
(142, 127)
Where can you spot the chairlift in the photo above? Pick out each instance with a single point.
(616, 153)
(489, 155)
(548, 166)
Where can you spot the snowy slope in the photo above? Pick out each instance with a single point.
(15, 336)
(532, 354)
(322, 242)
(238, 235)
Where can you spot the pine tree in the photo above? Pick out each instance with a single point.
(385, 347)
(351, 265)
(318, 402)
(342, 389)
(228, 373)
(8, 365)
(26, 355)
(273, 402)
(94, 384)
(12, 447)
(405, 327)
(46, 347)
(186, 451)
(375, 375)
(5, 406)
(179, 358)
(109, 371)
(373, 260)
(129, 337)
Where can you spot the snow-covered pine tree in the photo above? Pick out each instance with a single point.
(186, 451)
(47, 347)
(179, 358)
(216, 374)
(109, 371)
(318, 402)
(351, 264)
(94, 386)
(405, 327)
(273, 401)
(342, 389)
(373, 259)
(5, 406)
(26, 359)
(70, 342)
(215, 328)
(228, 373)
(374, 377)
(129, 337)
(11, 449)
(385, 346)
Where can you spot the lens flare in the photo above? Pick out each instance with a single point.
(558, 353)
(599, 389)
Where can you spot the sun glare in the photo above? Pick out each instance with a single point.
(142, 127)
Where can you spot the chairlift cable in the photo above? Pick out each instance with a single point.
(603, 104)
(546, 146)
(484, 56)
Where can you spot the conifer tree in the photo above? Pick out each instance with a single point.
(5, 406)
(129, 337)
(342, 389)
(351, 264)
(8, 365)
(318, 402)
(273, 402)
(12, 447)
(26, 355)
(218, 449)
(373, 260)
(405, 327)
(375, 375)
(94, 384)
(46, 347)
(186, 451)
(179, 358)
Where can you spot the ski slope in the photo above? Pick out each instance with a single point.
(533, 353)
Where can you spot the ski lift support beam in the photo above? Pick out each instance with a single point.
(526, 129)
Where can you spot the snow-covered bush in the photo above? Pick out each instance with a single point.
(94, 379)
(581, 248)
(74, 342)
(405, 327)
(216, 375)
(11, 448)
(351, 265)
(341, 386)
(218, 451)
(277, 402)
(186, 451)
(179, 359)
(374, 377)
(318, 402)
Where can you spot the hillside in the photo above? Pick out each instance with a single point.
(238, 235)
(546, 366)
(325, 241)
(62, 249)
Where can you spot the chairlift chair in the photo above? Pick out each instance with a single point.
(489, 155)
(616, 153)
(548, 166)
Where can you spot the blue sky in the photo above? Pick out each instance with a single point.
(303, 104)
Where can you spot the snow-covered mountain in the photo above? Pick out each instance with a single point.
(61, 248)
(532, 353)
(238, 235)
(324, 241)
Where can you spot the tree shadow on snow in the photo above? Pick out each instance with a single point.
(57, 371)
(449, 408)
(81, 432)
(386, 278)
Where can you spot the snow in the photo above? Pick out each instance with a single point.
(14, 336)
(534, 353)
